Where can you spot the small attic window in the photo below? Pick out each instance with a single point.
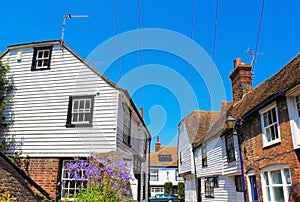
(164, 158)
(41, 58)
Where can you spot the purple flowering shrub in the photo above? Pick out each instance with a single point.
(100, 180)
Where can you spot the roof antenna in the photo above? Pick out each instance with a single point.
(68, 16)
(253, 54)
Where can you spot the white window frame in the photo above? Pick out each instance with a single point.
(40, 61)
(68, 185)
(84, 111)
(210, 184)
(270, 107)
(285, 184)
(153, 173)
(297, 103)
(157, 190)
(294, 115)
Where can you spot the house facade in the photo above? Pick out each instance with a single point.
(191, 131)
(218, 166)
(62, 107)
(257, 159)
(268, 130)
(163, 168)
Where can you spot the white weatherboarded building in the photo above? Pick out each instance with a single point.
(218, 163)
(62, 107)
(191, 130)
(163, 168)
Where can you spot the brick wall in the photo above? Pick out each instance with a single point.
(12, 182)
(256, 157)
(46, 173)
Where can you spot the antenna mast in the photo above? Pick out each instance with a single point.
(69, 16)
(253, 54)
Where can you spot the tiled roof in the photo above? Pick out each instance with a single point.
(197, 123)
(279, 83)
(164, 150)
(218, 121)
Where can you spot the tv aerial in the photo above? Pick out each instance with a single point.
(69, 16)
(253, 54)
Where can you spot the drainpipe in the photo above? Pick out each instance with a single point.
(195, 172)
(242, 169)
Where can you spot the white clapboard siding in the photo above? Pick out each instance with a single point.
(190, 189)
(226, 191)
(138, 136)
(235, 166)
(214, 158)
(184, 151)
(40, 106)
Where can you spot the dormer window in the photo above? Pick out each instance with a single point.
(164, 158)
(41, 58)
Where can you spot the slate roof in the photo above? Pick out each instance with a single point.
(164, 150)
(285, 79)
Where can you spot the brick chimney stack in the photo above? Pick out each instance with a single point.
(157, 144)
(241, 79)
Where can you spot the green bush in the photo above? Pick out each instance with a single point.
(169, 188)
(181, 190)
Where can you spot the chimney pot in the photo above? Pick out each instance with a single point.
(141, 112)
(237, 62)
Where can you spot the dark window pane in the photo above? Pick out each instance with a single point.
(75, 106)
(75, 117)
(87, 105)
(46, 54)
(81, 105)
(40, 54)
(40, 63)
(46, 62)
(80, 118)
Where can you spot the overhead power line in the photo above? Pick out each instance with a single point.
(191, 41)
(213, 53)
(140, 54)
(117, 38)
(255, 53)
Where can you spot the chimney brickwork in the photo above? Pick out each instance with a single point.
(157, 144)
(241, 80)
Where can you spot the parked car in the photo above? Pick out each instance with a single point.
(164, 198)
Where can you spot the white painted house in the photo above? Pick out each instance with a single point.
(191, 130)
(217, 162)
(163, 168)
(62, 107)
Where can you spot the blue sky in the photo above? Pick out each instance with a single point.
(164, 106)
